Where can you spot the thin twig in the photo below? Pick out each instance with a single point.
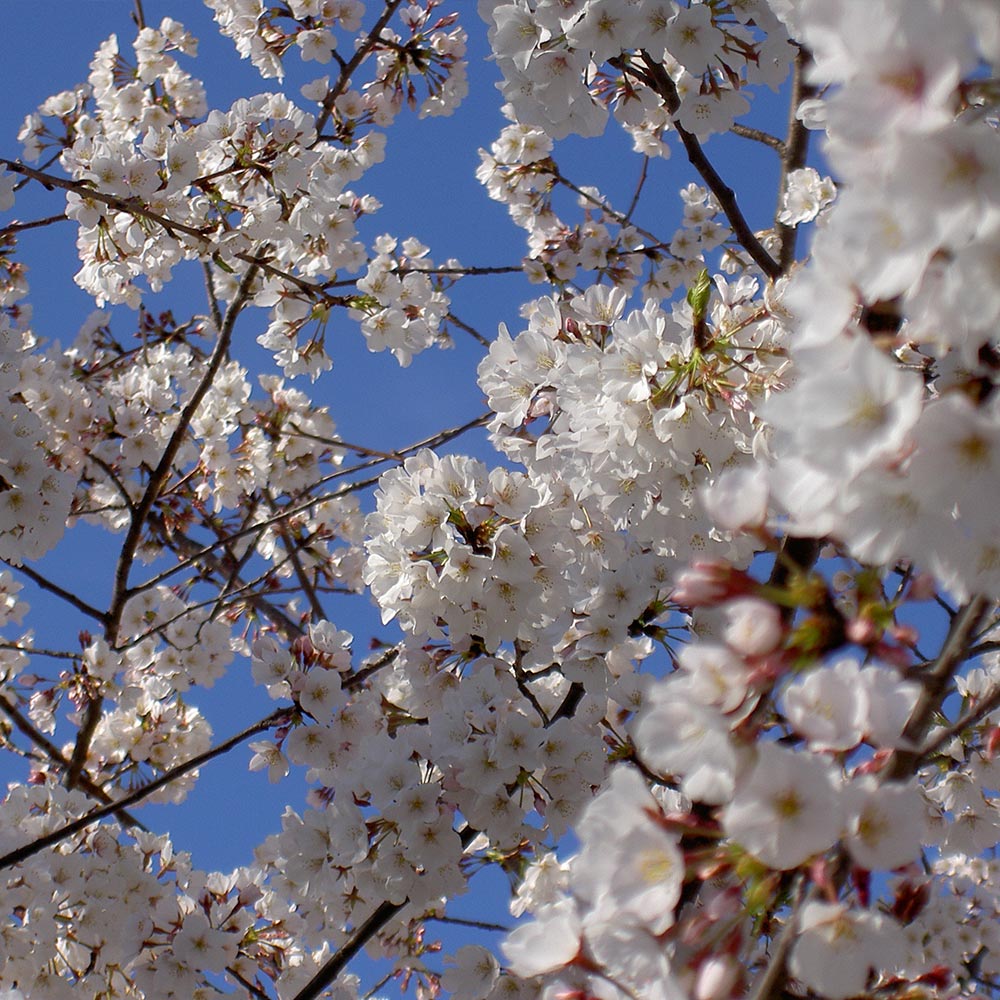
(246, 984)
(471, 331)
(479, 925)
(15, 857)
(769, 986)
(638, 188)
(55, 654)
(983, 707)
(17, 227)
(293, 554)
(598, 203)
(464, 272)
(133, 207)
(159, 475)
(935, 687)
(54, 588)
(758, 135)
(432, 442)
(137, 523)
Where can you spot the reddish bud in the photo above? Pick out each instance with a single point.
(862, 631)
(939, 976)
(910, 900)
(861, 879)
(710, 583)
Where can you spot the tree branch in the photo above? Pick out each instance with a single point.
(159, 475)
(54, 588)
(15, 857)
(53, 753)
(658, 78)
(361, 53)
(336, 963)
(92, 713)
(935, 688)
(434, 441)
(17, 227)
(793, 156)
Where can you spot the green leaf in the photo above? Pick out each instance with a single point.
(699, 294)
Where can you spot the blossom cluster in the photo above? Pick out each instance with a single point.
(899, 292)
(685, 614)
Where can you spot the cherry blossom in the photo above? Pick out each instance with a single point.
(697, 652)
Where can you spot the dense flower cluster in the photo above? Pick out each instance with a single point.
(686, 615)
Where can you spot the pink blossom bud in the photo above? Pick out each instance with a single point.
(992, 742)
(905, 635)
(895, 656)
(709, 583)
(716, 979)
(862, 631)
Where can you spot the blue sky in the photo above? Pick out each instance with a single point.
(428, 189)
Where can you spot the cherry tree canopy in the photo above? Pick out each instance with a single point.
(703, 659)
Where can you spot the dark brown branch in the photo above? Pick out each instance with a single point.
(158, 478)
(360, 449)
(15, 857)
(213, 299)
(54, 588)
(130, 206)
(479, 925)
(634, 203)
(133, 207)
(360, 676)
(598, 203)
(793, 157)
(55, 654)
(109, 471)
(253, 990)
(464, 272)
(53, 753)
(383, 913)
(18, 227)
(983, 707)
(769, 986)
(471, 331)
(935, 688)
(360, 54)
(433, 441)
(658, 78)
(293, 554)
